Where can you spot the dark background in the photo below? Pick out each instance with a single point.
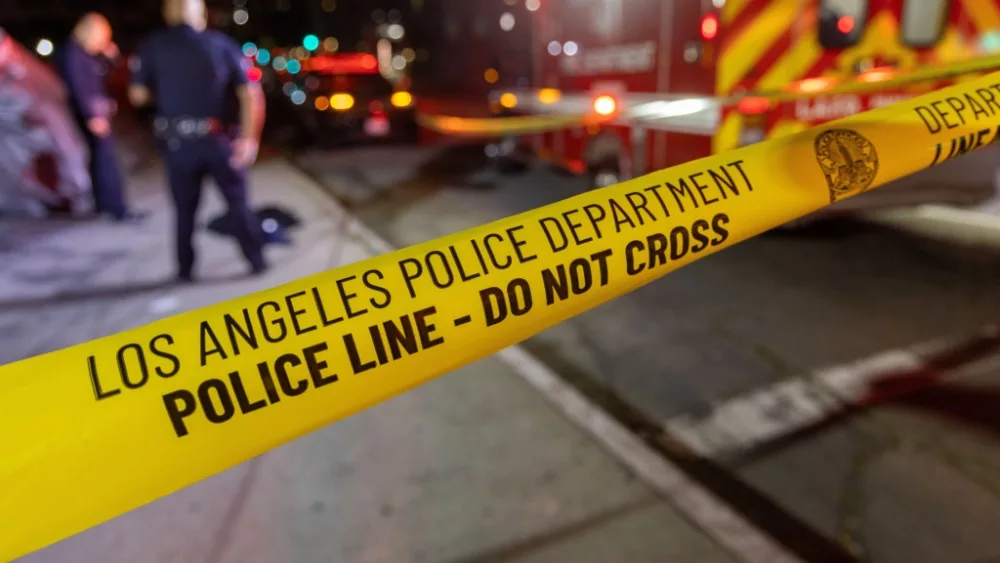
(456, 40)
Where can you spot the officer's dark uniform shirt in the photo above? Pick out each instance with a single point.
(84, 75)
(183, 81)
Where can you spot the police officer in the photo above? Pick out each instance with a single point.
(190, 75)
(82, 66)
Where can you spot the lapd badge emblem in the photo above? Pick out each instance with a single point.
(848, 160)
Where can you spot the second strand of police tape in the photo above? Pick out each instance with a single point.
(98, 429)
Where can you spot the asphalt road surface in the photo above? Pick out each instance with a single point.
(840, 386)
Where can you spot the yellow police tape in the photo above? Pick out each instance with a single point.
(97, 429)
(499, 126)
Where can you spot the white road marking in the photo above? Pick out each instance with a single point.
(767, 414)
(720, 522)
(714, 517)
(968, 226)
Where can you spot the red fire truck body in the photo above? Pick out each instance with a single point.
(666, 64)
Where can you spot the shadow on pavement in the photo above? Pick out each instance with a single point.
(453, 165)
(831, 228)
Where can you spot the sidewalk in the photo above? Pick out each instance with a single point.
(473, 467)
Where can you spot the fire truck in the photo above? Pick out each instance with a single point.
(658, 69)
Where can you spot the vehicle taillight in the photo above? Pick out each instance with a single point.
(605, 105)
(709, 27)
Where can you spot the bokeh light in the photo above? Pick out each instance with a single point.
(44, 47)
(507, 21)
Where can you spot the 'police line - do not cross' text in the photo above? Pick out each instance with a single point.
(499, 262)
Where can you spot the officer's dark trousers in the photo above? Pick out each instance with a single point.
(106, 176)
(188, 163)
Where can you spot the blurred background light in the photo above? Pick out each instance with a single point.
(44, 47)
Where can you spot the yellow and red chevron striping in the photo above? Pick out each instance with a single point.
(767, 44)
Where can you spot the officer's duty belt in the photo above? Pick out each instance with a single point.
(187, 127)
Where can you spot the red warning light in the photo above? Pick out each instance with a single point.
(753, 106)
(254, 74)
(845, 24)
(709, 27)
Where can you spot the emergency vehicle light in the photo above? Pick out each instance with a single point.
(605, 105)
(845, 24)
(816, 84)
(709, 27)
(753, 106)
(877, 74)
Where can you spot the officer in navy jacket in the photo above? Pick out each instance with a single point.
(82, 63)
